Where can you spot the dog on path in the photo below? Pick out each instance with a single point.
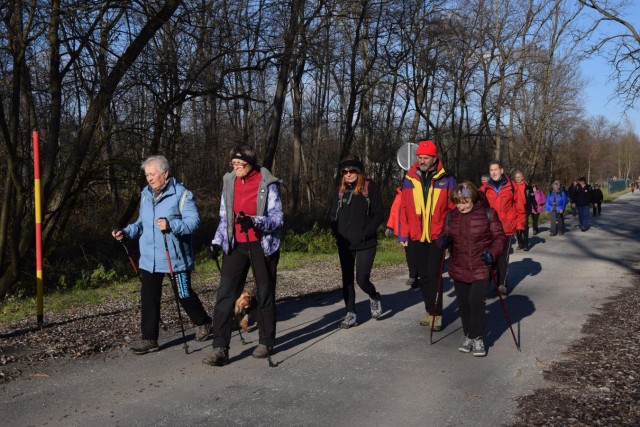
(245, 305)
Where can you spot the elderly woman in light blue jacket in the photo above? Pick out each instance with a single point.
(555, 205)
(167, 209)
(248, 236)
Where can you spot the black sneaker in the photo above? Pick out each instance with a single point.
(145, 346)
(219, 357)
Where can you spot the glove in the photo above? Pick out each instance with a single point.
(487, 258)
(444, 241)
(388, 232)
(214, 250)
(245, 221)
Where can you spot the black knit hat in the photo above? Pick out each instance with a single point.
(351, 164)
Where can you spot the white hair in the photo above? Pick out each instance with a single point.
(161, 163)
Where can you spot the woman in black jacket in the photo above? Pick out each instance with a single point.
(356, 213)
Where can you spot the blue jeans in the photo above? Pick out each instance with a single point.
(583, 214)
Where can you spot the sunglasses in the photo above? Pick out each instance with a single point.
(238, 164)
(348, 171)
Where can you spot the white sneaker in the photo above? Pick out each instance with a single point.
(349, 320)
(376, 306)
(478, 347)
(467, 345)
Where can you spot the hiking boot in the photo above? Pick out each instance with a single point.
(437, 324)
(376, 306)
(411, 281)
(467, 345)
(145, 346)
(202, 331)
(349, 321)
(426, 320)
(503, 290)
(218, 357)
(261, 352)
(478, 348)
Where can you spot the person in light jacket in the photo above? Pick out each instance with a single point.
(555, 205)
(167, 211)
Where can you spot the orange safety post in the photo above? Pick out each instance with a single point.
(38, 209)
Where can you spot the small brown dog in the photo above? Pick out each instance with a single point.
(245, 304)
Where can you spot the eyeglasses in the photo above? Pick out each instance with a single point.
(348, 171)
(238, 164)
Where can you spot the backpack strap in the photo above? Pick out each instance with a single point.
(365, 193)
(183, 198)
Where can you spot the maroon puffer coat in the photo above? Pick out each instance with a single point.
(471, 235)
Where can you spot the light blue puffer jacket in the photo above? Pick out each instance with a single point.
(178, 206)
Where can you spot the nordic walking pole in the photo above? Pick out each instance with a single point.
(504, 309)
(174, 286)
(233, 315)
(435, 304)
(253, 269)
(135, 269)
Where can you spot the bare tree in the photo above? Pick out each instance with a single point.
(622, 49)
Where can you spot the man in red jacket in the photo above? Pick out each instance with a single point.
(423, 208)
(502, 196)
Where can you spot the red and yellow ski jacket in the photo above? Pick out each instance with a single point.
(423, 210)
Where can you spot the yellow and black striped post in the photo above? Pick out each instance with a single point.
(38, 209)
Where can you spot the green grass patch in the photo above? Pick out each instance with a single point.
(15, 309)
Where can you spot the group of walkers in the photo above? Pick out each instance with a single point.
(431, 214)
(251, 216)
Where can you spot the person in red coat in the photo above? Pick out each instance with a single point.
(423, 207)
(502, 196)
(475, 236)
(392, 229)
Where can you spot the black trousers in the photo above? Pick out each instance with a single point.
(151, 295)
(534, 221)
(411, 262)
(503, 263)
(430, 260)
(235, 267)
(597, 208)
(523, 235)
(471, 306)
(362, 260)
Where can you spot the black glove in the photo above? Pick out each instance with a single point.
(388, 232)
(245, 221)
(487, 257)
(214, 250)
(444, 241)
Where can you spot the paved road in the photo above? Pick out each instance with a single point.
(380, 373)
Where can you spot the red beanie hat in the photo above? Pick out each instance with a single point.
(427, 148)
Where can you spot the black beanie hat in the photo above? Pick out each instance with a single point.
(351, 164)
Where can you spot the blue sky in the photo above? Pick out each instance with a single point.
(600, 90)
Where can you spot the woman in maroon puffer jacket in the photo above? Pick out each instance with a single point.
(476, 239)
